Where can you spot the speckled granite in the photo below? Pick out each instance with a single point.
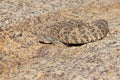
(23, 58)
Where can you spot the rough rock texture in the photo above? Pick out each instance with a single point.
(22, 57)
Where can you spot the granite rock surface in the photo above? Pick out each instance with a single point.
(22, 57)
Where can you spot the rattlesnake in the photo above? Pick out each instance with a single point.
(74, 31)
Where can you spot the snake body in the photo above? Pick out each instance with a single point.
(75, 32)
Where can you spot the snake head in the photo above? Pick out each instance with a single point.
(46, 39)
